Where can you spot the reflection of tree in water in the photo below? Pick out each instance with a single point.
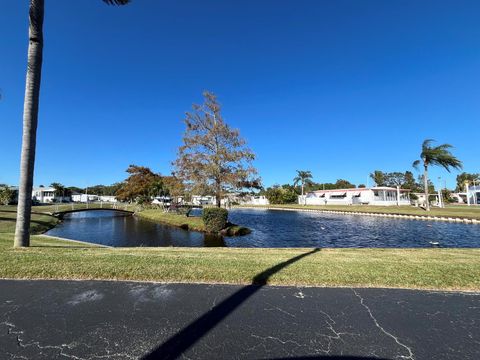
(212, 240)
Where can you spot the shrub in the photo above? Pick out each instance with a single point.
(215, 219)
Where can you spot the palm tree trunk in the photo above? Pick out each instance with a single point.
(425, 184)
(30, 117)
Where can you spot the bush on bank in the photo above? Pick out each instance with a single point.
(215, 219)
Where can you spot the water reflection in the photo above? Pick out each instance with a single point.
(270, 229)
(213, 241)
(123, 230)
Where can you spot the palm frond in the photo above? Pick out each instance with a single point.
(444, 147)
(439, 155)
(416, 163)
(447, 161)
(297, 180)
(426, 143)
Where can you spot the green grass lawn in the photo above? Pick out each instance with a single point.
(453, 211)
(187, 223)
(447, 269)
(39, 223)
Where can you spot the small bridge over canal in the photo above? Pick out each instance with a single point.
(60, 210)
(63, 213)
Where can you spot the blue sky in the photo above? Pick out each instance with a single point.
(340, 88)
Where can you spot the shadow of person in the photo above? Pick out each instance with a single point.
(185, 338)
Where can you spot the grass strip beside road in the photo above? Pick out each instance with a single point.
(442, 269)
(464, 212)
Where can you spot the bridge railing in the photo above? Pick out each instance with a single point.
(58, 208)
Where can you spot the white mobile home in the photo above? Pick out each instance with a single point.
(108, 198)
(203, 200)
(256, 200)
(48, 195)
(473, 195)
(368, 196)
(83, 198)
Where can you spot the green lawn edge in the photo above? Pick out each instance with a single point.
(40, 222)
(429, 269)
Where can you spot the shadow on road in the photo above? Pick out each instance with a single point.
(184, 339)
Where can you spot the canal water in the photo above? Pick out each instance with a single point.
(271, 228)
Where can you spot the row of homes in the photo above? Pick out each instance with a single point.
(380, 196)
(50, 195)
(230, 199)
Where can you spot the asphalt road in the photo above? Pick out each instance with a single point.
(126, 320)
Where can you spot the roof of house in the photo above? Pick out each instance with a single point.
(360, 189)
(44, 189)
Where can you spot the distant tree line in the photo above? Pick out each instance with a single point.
(405, 180)
(288, 194)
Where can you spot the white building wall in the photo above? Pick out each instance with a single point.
(44, 194)
(260, 200)
(108, 198)
(373, 196)
(473, 194)
(83, 198)
(203, 200)
(255, 200)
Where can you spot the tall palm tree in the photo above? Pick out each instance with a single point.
(30, 118)
(435, 155)
(303, 178)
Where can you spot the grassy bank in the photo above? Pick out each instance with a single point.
(471, 212)
(447, 269)
(39, 224)
(182, 221)
(187, 223)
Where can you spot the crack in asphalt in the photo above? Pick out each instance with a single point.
(377, 324)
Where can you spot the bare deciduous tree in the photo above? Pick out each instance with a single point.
(213, 156)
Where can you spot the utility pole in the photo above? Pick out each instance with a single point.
(466, 191)
(440, 197)
(475, 193)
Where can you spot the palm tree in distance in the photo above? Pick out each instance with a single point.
(435, 155)
(30, 118)
(303, 178)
